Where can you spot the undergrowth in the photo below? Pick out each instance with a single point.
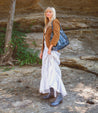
(21, 51)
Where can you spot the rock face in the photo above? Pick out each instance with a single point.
(22, 7)
(82, 31)
(88, 7)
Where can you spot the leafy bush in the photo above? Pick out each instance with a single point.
(21, 52)
(2, 41)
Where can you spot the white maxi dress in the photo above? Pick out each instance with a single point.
(51, 73)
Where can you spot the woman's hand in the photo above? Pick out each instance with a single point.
(49, 50)
(41, 55)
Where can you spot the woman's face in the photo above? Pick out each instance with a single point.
(49, 14)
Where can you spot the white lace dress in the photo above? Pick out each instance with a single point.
(51, 73)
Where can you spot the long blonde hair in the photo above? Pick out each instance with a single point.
(47, 22)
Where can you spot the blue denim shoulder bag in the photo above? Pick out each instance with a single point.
(63, 40)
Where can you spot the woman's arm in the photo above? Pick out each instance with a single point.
(56, 32)
(42, 48)
(49, 50)
(43, 42)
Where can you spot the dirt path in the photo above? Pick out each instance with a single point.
(19, 91)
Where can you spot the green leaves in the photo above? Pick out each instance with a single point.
(21, 52)
(2, 41)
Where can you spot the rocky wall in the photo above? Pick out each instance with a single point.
(79, 7)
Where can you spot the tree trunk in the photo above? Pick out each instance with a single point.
(10, 23)
(8, 50)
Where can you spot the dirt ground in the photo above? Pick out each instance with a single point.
(19, 91)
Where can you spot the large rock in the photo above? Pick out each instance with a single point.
(88, 7)
(78, 54)
(67, 6)
(22, 7)
(82, 52)
(35, 22)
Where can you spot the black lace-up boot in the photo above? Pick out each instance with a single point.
(50, 95)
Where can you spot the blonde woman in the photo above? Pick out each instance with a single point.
(51, 81)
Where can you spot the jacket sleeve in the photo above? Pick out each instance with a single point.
(56, 32)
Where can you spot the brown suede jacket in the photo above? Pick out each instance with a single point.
(56, 32)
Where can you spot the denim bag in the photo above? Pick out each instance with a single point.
(62, 42)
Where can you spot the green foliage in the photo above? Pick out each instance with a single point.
(21, 52)
(7, 68)
(2, 41)
(34, 43)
